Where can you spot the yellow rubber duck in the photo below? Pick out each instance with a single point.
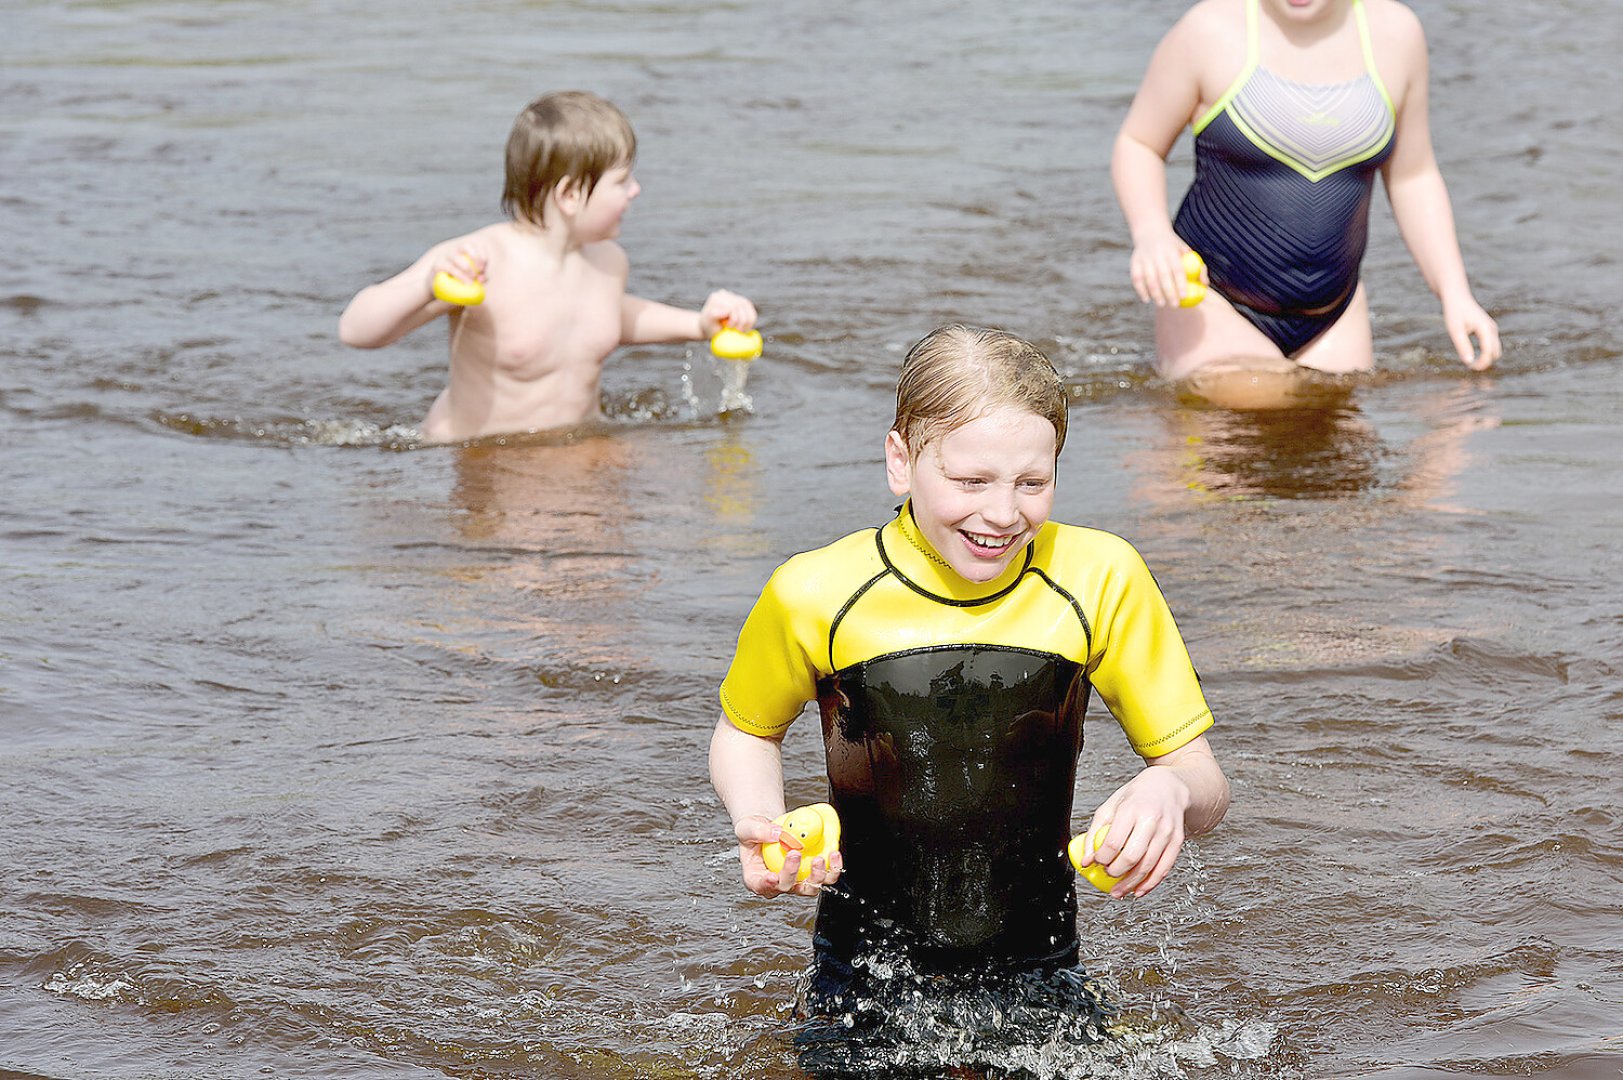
(730, 344)
(1193, 264)
(1094, 872)
(812, 830)
(453, 290)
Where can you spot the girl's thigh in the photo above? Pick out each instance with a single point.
(1213, 335)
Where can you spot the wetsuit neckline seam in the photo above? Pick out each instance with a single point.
(885, 559)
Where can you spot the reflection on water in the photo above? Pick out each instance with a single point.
(1295, 453)
(732, 481)
(550, 511)
(555, 496)
(724, 380)
(1325, 448)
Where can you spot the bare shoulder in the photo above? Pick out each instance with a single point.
(484, 241)
(1396, 29)
(1400, 49)
(1207, 43)
(497, 236)
(1206, 22)
(608, 257)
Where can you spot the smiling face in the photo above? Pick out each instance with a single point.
(981, 491)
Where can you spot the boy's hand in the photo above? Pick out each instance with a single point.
(723, 308)
(1146, 830)
(752, 832)
(466, 260)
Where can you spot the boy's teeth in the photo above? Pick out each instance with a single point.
(987, 541)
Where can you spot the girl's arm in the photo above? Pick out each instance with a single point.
(1420, 203)
(1173, 797)
(1165, 104)
(747, 772)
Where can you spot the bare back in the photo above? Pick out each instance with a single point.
(531, 356)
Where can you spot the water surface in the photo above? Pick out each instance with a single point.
(328, 757)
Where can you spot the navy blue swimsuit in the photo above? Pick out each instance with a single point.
(1279, 207)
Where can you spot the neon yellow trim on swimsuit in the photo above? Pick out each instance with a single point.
(1313, 175)
(1253, 62)
(1253, 56)
(1369, 57)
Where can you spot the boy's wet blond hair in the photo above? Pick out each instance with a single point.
(566, 135)
(957, 373)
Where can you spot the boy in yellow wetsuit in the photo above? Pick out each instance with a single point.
(952, 653)
(529, 357)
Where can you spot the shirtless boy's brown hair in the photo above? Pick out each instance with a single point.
(569, 135)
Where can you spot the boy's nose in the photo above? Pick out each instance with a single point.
(999, 509)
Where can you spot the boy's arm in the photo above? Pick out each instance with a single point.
(747, 772)
(1425, 217)
(1173, 797)
(384, 313)
(645, 322)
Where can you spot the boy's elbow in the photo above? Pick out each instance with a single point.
(355, 334)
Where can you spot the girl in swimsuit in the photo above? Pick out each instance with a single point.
(1295, 106)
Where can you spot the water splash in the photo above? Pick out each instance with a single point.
(733, 398)
(1064, 1025)
(727, 377)
(289, 432)
(1118, 1020)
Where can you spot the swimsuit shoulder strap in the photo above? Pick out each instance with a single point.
(1369, 54)
(1253, 54)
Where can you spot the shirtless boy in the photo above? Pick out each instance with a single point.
(530, 357)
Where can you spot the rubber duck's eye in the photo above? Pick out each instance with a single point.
(817, 828)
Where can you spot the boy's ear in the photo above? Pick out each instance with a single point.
(898, 465)
(570, 195)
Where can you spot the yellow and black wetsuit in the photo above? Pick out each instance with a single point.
(952, 723)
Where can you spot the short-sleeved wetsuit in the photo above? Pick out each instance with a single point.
(952, 722)
(1279, 207)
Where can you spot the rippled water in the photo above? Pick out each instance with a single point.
(328, 757)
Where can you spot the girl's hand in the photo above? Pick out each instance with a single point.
(1464, 319)
(723, 308)
(1157, 270)
(752, 832)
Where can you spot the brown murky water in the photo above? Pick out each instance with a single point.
(326, 759)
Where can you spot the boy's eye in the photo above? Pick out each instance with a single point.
(1034, 485)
